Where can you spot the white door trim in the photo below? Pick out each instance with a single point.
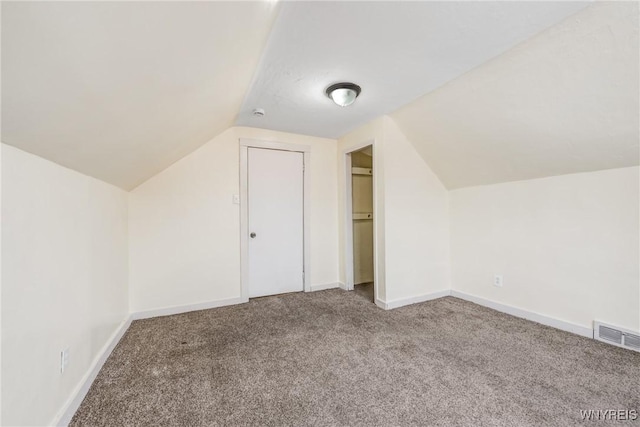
(348, 225)
(274, 145)
(244, 212)
(348, 220)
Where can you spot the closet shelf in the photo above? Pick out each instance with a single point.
(363, 215)
(361, 171)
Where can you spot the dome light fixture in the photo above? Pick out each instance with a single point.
(343, 94)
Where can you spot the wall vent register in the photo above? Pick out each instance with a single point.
(617, 336)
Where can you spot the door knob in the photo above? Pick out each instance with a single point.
(252, 235)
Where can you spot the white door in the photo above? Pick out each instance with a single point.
(275, 186)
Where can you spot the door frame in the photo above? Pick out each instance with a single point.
(245, 144)
(348, 218)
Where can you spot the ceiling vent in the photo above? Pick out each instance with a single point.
(619, 337)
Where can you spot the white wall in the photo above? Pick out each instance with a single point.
(567, 246)
(79, 254)
(64, 281)
(411, 212)
(184, 230)
(416, 221)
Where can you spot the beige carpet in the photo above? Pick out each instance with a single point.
(334, 358)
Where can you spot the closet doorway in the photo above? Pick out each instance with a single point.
(360, 220)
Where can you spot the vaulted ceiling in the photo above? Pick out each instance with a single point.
(565, 101)
(121, 90)
(397, 51)
(486, 91)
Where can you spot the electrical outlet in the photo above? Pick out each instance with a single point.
(497, 280)
(64, 359)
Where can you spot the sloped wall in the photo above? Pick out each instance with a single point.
(564, 101)
(64, 281)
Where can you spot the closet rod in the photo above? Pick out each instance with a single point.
(363, 215)
(361, 171)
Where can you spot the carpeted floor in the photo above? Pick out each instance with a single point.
(334, 358)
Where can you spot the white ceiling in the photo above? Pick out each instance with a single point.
(121, 90)
(566, 101)
(397, 51)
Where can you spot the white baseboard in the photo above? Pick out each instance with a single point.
(342, 286)
(526, 314)
(401, 302)
(179, 309)
(63, 418)
(324, 286)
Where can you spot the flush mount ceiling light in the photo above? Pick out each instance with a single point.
(343, 94)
